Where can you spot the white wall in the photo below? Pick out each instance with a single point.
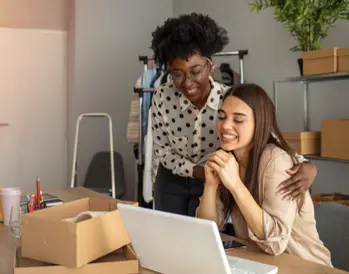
(268, 43)
(33, 102)
(108, 37)
(33, 92)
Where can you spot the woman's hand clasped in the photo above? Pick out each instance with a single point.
(223, 167)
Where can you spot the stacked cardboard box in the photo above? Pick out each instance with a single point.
(324, 61)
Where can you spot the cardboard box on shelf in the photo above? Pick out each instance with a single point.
(120, 261)
(335, 139)
(48, 237)
(304, 142)
(343, 60)
(320, 61)
(330, 198)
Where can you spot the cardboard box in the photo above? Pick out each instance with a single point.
(304, 142)
(320, 61)
(335, 139)
(121, 261)
(47, 237)
(330, 198)
(343, 60)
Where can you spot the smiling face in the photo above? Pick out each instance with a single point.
(191, 77)
(236, 124)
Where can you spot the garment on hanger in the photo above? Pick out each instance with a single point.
(150, 164)
(147, 79)
(154, 83)
(227, 74)
(224, 74)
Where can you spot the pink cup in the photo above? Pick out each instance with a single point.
(9, 197)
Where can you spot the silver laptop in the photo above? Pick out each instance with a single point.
(170, 243)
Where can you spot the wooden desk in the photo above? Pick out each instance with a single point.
(287, 264)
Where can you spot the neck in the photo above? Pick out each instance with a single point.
(242, 156)
(200, 104)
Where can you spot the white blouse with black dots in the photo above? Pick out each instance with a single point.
(183, 135)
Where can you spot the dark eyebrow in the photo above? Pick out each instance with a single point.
(191, 67)
(197, 65)
(176, 69)
(234, 113)
(240, 114)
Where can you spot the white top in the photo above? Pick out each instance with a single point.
(183, 135)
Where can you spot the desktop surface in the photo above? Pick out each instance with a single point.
(287, 264)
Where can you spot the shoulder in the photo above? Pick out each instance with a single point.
(219, 86)
(218, 90)
(274, 157)
(272, 169)
(164, 90)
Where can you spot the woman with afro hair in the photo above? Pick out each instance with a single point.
(184, 113)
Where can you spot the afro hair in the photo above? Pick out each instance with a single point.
(186, 35)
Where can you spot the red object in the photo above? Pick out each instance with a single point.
(38, 195)
(30, 206)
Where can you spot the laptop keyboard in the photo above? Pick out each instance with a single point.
(235, 270)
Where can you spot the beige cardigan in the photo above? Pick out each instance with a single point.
(286, 230)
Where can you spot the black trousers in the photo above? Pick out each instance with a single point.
(176, 194)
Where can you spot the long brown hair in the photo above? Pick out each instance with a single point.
(266, 132)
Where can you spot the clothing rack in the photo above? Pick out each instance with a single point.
(140, 161)
(240, 54)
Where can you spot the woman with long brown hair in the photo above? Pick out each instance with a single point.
(242, 180)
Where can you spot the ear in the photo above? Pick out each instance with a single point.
(211, 65)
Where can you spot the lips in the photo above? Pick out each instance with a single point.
(192, 92)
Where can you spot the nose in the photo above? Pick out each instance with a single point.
(187, 82)
(227, 125)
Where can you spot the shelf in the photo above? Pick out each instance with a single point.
(316, 78)
(319, 158)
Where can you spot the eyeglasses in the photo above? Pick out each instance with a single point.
(195, 74)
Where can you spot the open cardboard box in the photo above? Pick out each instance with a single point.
(48, 238)
(121, 261)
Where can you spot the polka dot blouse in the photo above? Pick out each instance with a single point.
(183, 135)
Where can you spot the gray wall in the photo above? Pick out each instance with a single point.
(268, 43)
(106, 38)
